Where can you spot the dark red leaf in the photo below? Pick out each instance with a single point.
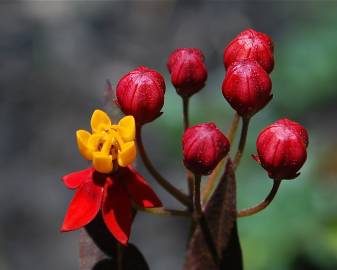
(140, 191)
(73, 180)
(98, 250)
(220, 214)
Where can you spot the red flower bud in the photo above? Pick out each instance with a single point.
(188, 70)
(247, 87)
(281, 149)
(252, 45)
(296, 128)
(204, 146)
(140, 93)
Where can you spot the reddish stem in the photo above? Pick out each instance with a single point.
(180, 196)
(262, 205)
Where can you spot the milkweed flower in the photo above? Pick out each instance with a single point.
(111, 184)
(109, 146)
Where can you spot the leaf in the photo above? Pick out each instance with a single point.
(220, 214)
(136, 263)
(99, 250)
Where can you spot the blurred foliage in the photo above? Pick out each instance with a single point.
(305, 75)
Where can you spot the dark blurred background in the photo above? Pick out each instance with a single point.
(55, 58)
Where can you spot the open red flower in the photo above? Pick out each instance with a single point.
(111, 185)
(113, 194)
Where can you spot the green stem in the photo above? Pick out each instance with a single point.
(262, 205)
(180, 196)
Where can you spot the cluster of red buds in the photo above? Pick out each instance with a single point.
(281, 146)
(246, 86)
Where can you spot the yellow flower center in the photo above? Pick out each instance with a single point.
(108, 146)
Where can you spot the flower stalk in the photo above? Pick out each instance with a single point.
(242, 142)
(119, 257)
(262, 205)
(189, 174)
(233, 127)
(162, 211)
(213, 178)
(185, 111)
(180, 196)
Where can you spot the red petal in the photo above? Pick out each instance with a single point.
(85, 204)
(73, 180)
(117, 211)
(140, 191)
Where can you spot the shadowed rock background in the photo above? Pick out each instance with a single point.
(55, 58)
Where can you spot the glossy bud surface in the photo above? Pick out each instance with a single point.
(188, 70)
(281, 149)
(204, 145)
(140, 93)
(247, 87)
(251, 45)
